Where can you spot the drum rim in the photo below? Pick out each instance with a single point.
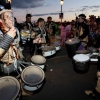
(81, 61)
(48, 49)
(36, 62)
(19, 86)
(70, 43)
(88, 51)
(22, 78)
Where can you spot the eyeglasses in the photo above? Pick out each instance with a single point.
(8, 16)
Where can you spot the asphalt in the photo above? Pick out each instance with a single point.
(62, 81)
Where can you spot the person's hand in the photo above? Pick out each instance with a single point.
(37, 40)
(12, 32)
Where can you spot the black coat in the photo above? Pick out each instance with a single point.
(85, 30)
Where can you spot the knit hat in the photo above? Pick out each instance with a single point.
(2, 9)
(28, 15)
(82, 15)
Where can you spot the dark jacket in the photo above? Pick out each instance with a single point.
(85, 30)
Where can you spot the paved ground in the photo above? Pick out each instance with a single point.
(63, 82)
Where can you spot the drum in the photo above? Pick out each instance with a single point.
(25, 36)
(11, 70)
(87, 52)
(32, 78)
(94, 57)
(38, 60)
(58, 38)
(71, 46)
(9, 88)
(57, 45)
(55, 38)
(81, 62)
(52, 39)
(48, 50)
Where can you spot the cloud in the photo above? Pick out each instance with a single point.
(21, 4)
(95, 10)
(71, 11)
(57, 13)
(90, 7)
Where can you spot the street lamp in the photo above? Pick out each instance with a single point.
(9, 1)
(61, 3)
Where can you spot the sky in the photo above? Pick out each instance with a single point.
(45, 8)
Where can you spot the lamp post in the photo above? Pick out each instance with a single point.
(61, 3)
(8, 1)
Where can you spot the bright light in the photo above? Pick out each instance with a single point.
(9, 1)
(61, 2)
(70, 40)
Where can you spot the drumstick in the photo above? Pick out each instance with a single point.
(18, 76)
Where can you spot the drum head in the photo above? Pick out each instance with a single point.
(48, 48)
(82, 51)
(56, 43)
(9, 88)
(32, 75)
(81, 57)
(38, 59)
(72, 41)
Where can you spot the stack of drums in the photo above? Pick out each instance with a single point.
(32, 78)
(71, 46)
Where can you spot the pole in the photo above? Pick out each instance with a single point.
(61, 12)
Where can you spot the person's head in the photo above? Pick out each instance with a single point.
(49, 19)
(40, 22)
(28, 17)
(81, 18)
(64, 24)
(7, 18)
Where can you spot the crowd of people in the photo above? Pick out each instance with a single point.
(87, 30)
(14, 35)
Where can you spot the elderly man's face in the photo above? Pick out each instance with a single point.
(7, 19)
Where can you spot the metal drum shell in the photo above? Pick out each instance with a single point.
(81, 65)
(31, 85)
(71, 46)
(48, 50)
(38, 60)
